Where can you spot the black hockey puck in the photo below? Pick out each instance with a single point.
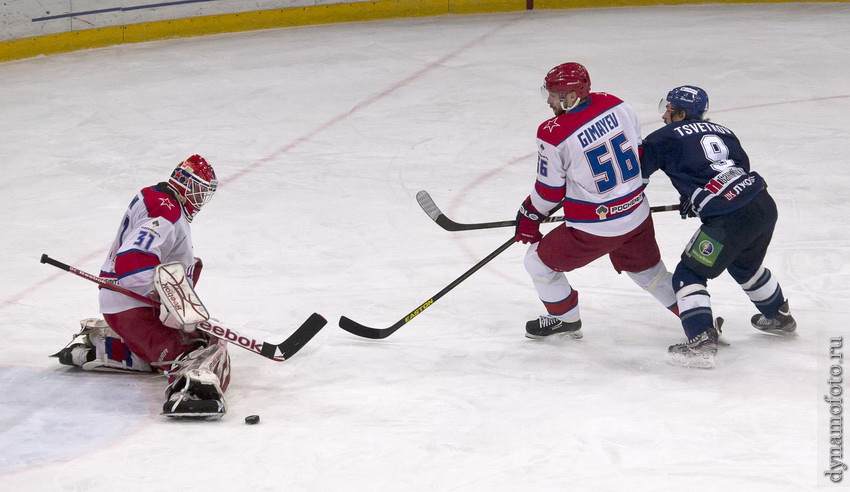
(252, 419)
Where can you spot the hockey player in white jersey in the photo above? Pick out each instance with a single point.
(133, 336)
(587, 160)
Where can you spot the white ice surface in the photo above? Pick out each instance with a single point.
(322, 136)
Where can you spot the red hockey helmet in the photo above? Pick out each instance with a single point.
(568, 77)
(194, 180)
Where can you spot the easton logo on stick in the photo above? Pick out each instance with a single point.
(418, 310)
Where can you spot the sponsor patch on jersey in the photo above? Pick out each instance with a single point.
(151, 231)
(704, 249)
(577, 211)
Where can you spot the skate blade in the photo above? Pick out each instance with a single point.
(194, 416)
(564, 335)
(779, 333)
(701, 361)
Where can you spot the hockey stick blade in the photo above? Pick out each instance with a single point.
(287, 348)
(430, 208)
(298, 339)
(356, 328)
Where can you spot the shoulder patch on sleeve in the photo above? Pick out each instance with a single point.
(159, 204)
(555, 130)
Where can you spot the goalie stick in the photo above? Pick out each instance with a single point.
(356, 328)
(286, 349)
(430, 208)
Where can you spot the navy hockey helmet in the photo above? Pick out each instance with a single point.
(690, 98)
(568, 77)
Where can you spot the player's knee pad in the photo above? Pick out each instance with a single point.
(650, 278)
(535, 267)
(685, 278)
(691, 292)
(657, 281)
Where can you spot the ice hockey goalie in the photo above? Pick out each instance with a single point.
(152, 255)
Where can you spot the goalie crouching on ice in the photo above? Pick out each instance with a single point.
(152, 255)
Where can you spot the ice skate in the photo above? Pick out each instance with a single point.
(699, 351)
(97, 348)
(782, 324)
(545, 326)
(76, 355)
(82, 353)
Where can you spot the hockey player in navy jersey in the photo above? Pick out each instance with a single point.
(133, 336)
(708, 167)
(588, 161)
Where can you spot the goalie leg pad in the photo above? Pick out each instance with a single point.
(98, 347)
(198, 384)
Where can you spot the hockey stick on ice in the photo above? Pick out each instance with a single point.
(430, 208)
(356, 328)
(286, 349)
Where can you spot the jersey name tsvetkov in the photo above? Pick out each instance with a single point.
(701, 127)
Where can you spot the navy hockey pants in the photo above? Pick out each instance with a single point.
(736, 242)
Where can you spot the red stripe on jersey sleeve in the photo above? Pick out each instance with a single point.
(133, 261)
(550, 194)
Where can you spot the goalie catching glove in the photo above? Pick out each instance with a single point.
(528, 221)
(181, 308)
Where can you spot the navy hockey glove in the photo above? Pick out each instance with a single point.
(528, 221)
(686, 208)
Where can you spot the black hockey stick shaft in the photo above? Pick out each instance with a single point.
(356, 328)
(287, 348)
(430, 208)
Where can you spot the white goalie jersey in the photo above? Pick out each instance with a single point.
(588, 159)
(153, 231)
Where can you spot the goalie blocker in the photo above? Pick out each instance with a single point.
(181, 308)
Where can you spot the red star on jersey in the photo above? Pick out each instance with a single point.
(552, 124)
(165, 202)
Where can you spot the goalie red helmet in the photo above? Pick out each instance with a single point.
(195, 182)
(568, 77)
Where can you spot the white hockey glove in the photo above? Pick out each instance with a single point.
(181, 308)
(171, 320)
